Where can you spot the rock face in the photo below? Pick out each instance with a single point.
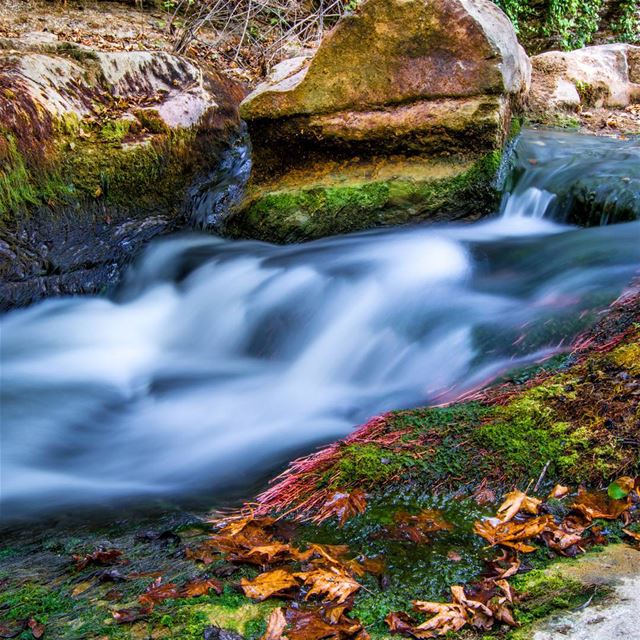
(97, 150)
(602, 76)
(404, 93)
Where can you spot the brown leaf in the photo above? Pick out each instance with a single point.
(511, 534)
(594, 505)
(133, 614)
(517, 501)
(99, 556)
(157, 592)
(445, 618)
(632, 534)
(269, 584)
(559, 491)
(332, 582)
(195, 588)
(275, 626)
(343, 505)
(417, 528)
(37, 628)
(305, 624)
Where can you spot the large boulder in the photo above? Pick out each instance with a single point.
(600, 76)
(400, 115)
(97, 150)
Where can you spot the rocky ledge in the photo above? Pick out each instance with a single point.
(97, 151)
(401, 115)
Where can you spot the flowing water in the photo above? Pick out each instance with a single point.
(218, 360)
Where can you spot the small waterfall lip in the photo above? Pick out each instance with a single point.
(218, 360)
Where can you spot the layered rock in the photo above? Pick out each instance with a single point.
(97, 150)
(400, 115)
(600, 76)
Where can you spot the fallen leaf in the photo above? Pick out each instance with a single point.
(599, 505)
(332, 582)
(559, 491)
(269, 584)
(157, 592)
(454, 556)
(305, 624)
(37, 628)
(517, 501)
(99, 556)
(275, 626)
(133, 614)
(13, 628)
(632, 534)
(343, 506)
(445, 618)
(195, 588)
(511, 534)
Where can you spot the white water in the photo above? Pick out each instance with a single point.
(218, 360)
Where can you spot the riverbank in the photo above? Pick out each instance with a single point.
(571, 420)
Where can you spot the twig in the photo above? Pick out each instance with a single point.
(542, 474)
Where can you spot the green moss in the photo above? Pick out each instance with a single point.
(527, 434)
(543, 592)
(304, 213)
(33, 600)
(115, 131)
(151, 120)
(187, 619)
(368, 464)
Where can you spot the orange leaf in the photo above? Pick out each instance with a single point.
(275, 626)
(269, 584)
(333, 583)
(516, 501)
(599, 505)
(559, 491)
(343, 505)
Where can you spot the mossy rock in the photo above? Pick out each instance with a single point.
(355, 198)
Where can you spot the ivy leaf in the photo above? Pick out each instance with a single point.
(621, 488)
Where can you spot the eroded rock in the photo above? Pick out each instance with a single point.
(397, 81)
(600, 76)
(98, 150)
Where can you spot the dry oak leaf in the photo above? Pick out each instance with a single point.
(195, 588)
(599, 505)
(275, 626)
(332, 582)
(399, 622)
(445, 618)
(99, 556)
(511, 534)
(479, 615)
(343, 505)
(269, 584)
(307, 624)
(559, 491)
(517, 501)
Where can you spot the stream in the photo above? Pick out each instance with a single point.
(216, 361)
